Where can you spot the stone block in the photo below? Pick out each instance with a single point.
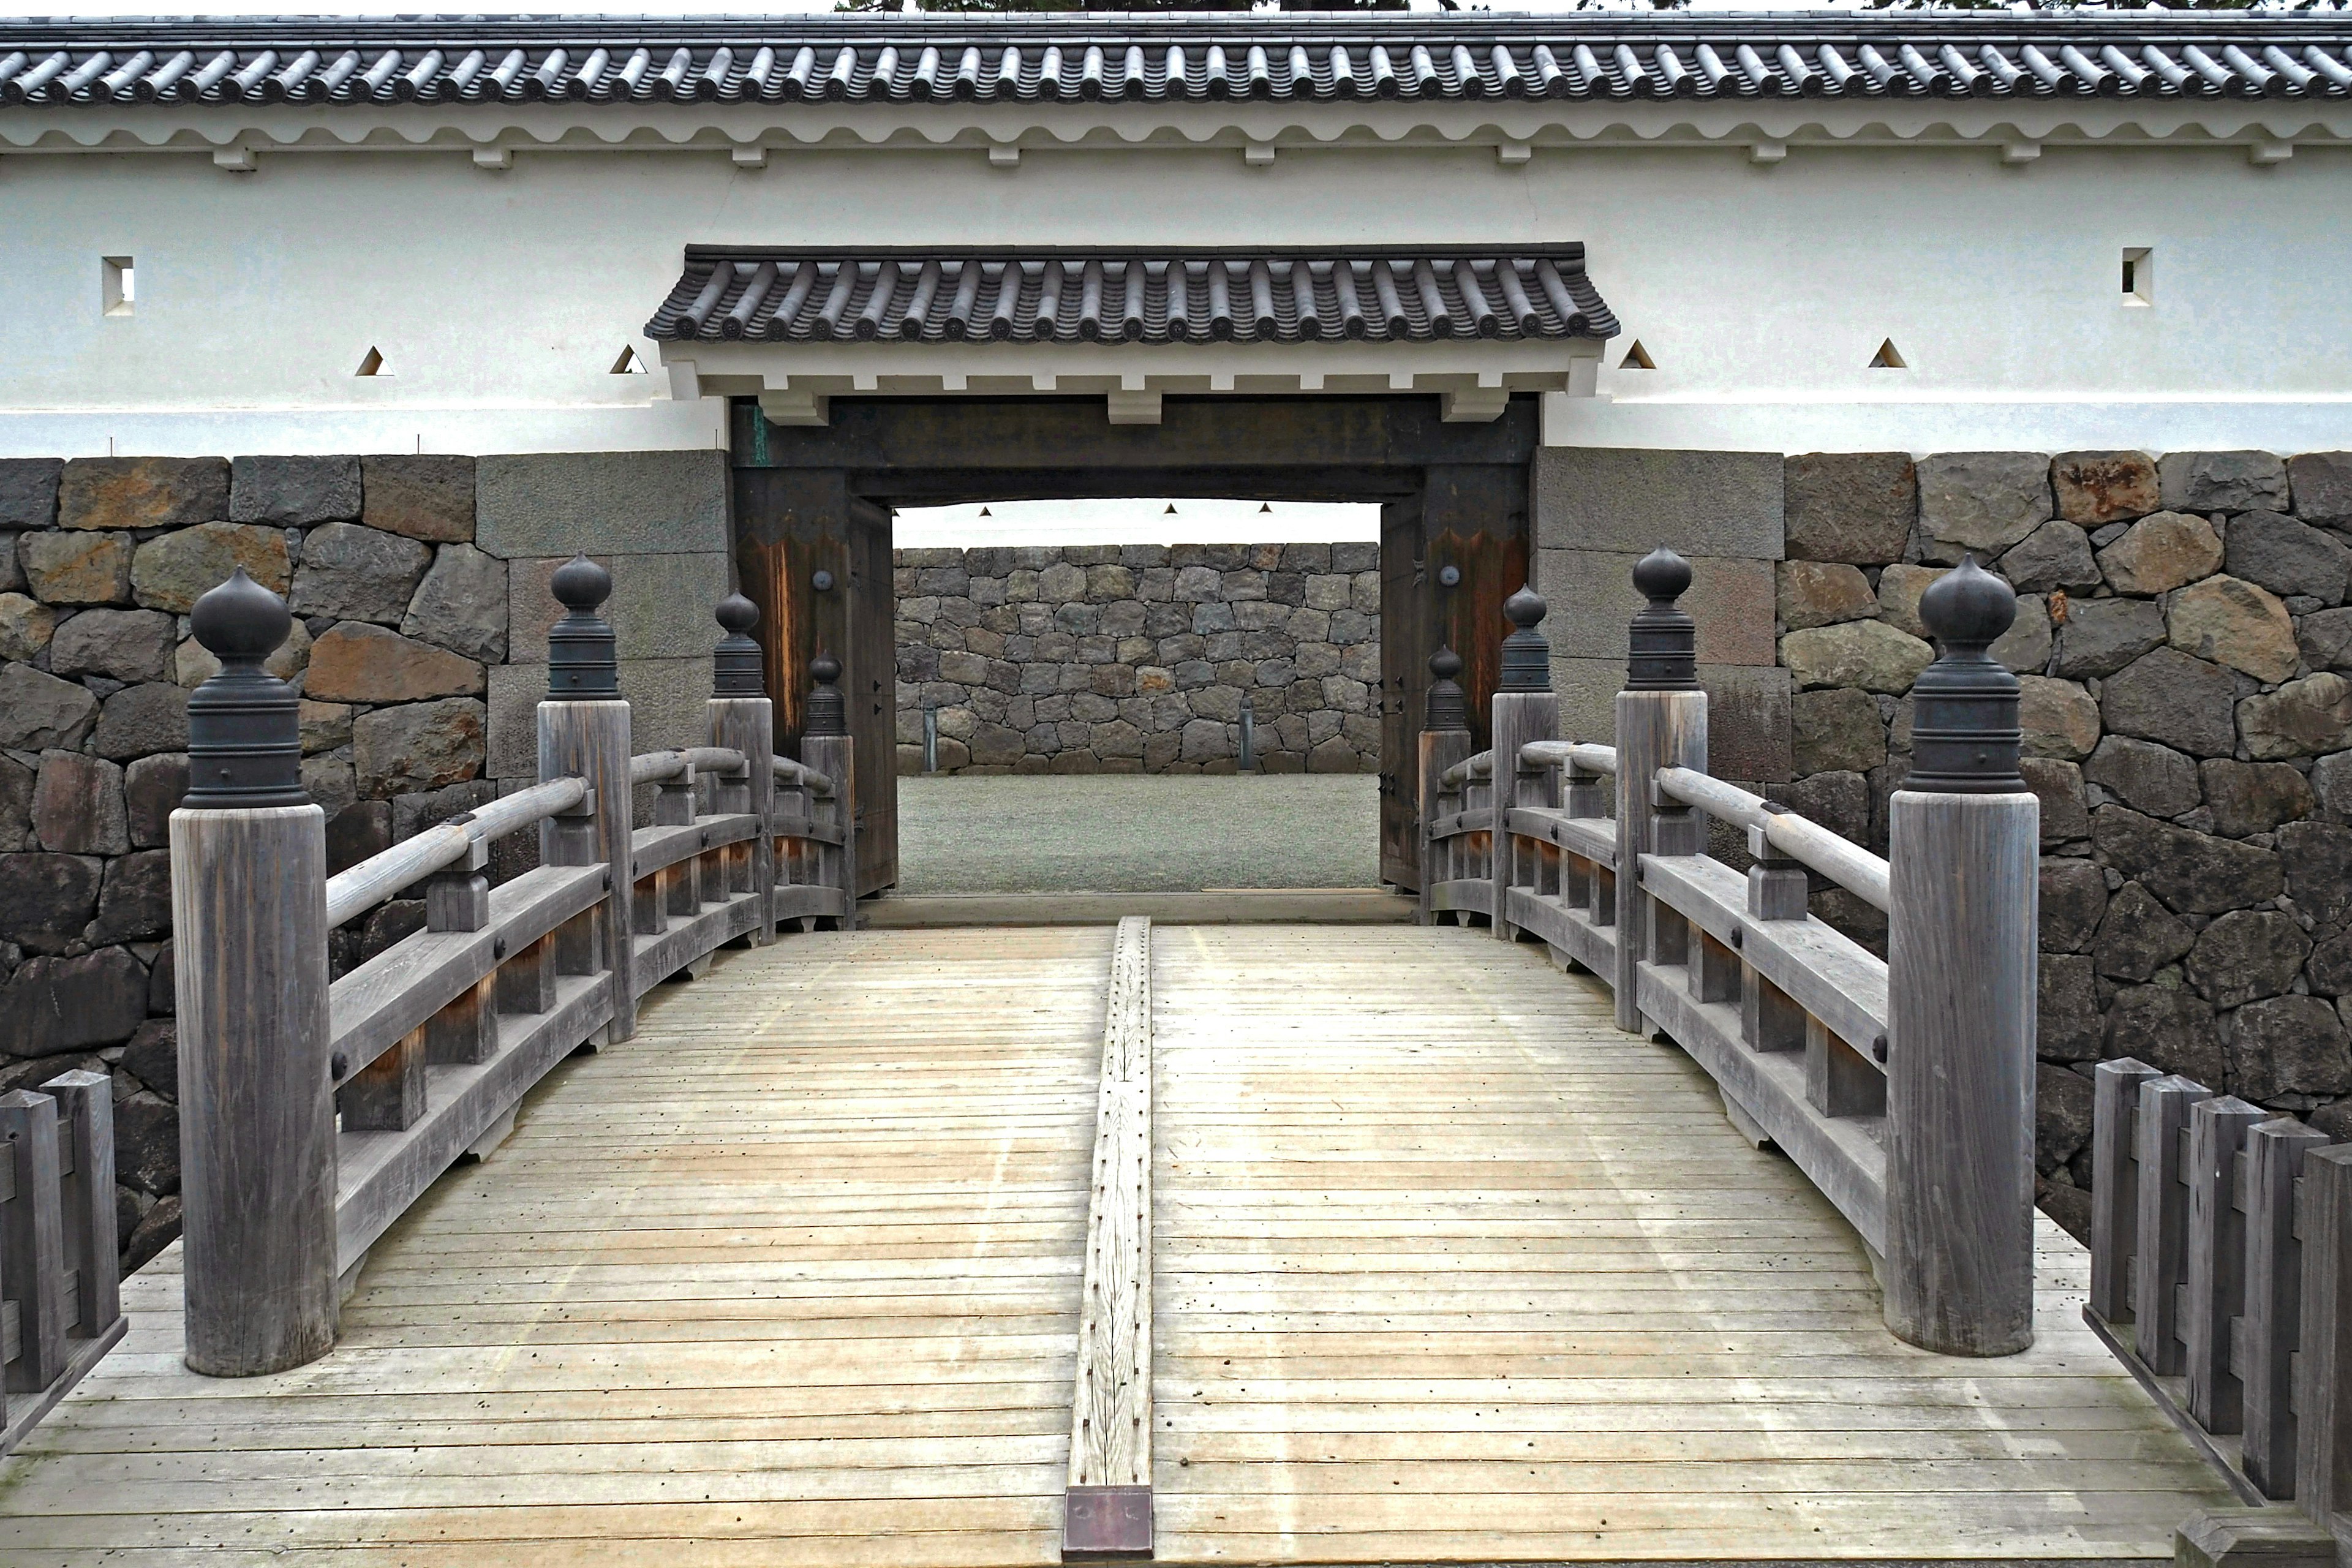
(77, 568)
(2321, 483)
(356, 832)
(152, 1057)
(1749, 722)
(142, 492)
(1837, 801)
(2318, 857)
(1868, 654)
(192, 663)
(2065, 815)
(1822, 593)
(427, 497)
(1626, 499)
(667, 700)
(2167, 696)
(2025, 647)
(28, 491)
(1353, 555)
(1899, 587)
(2171, 1029)
(1591, 598)
(122, 645)
(25, 627)
(2325, 638)
(1984, 502)
(135, 902)
(78, 805)
(2227, 621)
(359, 573)
(356, 662)
(2192, 872)
(2061, 1116)
(2067, 1018)
(1837, 729)
(2097, 488)
(2146, 777)
(140, 721)
(2103, 636)
(39, 711)
(296, 492)
(2288, 1045)
(2286, 556)
(15, 805)
(2251, 797)
(2055, 555)
(46, 902)
(1853, 507)
(461, 605)
(421, 746)
(52, 1005)
(661, 605)
(602, 504)
(172, 571)
(2304, 717)
(152, 788)
(2223, 482)
(2059, 718)
(2073, 900)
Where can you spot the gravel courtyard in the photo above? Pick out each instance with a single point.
(1138, 833)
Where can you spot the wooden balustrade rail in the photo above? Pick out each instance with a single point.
(1902, 1086)
(2221, 1256)
(60, 1307)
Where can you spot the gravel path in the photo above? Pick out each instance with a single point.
(1138, 833)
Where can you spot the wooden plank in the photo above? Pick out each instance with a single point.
(655, 958)
(1567, 928)
(653, 849)
(1106, 1509)
(1824, 972)
(1589, 838)
(2217, 1259)
(2115, 1185)
(2323, 1380)
(2271, 1328)
(32, 1240)
(2163, 1225)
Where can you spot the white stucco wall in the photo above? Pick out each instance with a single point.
(500, 299)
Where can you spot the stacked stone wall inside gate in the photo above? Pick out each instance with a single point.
(419, 590)
(1140, 658)
(2183, 641)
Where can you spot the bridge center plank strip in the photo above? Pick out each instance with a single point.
(1107, 1512)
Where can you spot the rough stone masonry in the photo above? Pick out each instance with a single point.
(1140, 658)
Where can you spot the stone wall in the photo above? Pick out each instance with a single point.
(1136, 658)
(2183, 642)
(418, 587)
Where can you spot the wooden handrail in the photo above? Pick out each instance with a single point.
(1847, 864)
(387, 873)
(1580, 754)
(800, 777)
(1478, 766)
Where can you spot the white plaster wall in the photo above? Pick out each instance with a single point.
(501, 299)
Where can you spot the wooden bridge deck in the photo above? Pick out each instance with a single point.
(1446, 1270)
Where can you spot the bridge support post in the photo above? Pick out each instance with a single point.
(1661, 723)
(257, 1097)
(1963, 911)
(1524, 708)
(1444, 741)
(583, 733)
(827, 746)
(743, 719)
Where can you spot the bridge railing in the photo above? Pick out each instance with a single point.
(1903, 1086)
(60, 1310)
(2222, 1274)
(315, 1114)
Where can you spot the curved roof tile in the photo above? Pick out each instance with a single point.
(1159, 59)
(1159, 296)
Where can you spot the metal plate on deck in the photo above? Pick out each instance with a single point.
(1101, 1523)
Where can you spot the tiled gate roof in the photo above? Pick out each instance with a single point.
(1423, 296)
(900, 59)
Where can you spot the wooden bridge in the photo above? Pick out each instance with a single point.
(1644, 1236)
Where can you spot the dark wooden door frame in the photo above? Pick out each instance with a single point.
(818, 499)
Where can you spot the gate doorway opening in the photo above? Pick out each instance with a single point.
(1071, 670)
(815, 509)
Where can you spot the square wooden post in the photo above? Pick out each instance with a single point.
(583, 733)
(1661, 723)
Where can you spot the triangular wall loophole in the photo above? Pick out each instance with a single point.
(1888, 357)
(629, 364)
(1637, 358)
(372, 364)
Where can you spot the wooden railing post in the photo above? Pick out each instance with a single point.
(1444, 741)
(2323, 1373)
(743, 719)
(1962, 915)
(1661, 723)
(249, 928)
(826, 746)
(2270, 1330)
(583, 733)
(1524, 708)
(2115, 1183)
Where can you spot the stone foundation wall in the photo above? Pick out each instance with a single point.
(2183, 642)
(1137, 658)
(418, 587)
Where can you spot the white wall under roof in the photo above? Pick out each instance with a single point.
(501, 299)
(1144, 520)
